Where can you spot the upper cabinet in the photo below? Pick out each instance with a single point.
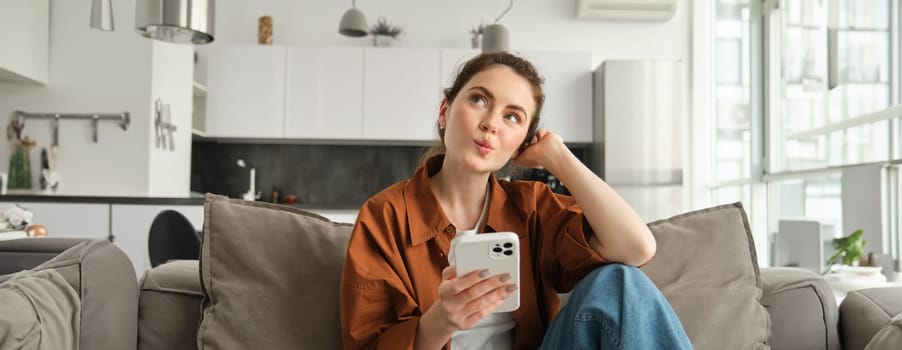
(25, 40)
(383, 94)
(245, 91)
(323, 93)
(568, 93)
(401, 93)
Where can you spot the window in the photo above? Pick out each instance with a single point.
(823, 79)
(732, 148)
(826, 101)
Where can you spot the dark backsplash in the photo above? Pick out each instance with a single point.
(321, 176)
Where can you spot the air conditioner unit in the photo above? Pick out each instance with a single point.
(626, 10)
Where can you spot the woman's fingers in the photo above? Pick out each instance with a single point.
(471, 296)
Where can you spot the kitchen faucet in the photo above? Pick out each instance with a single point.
(251, 193)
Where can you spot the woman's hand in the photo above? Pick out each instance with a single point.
(463, 301)
(539, 152)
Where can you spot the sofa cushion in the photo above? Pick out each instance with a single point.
(104, 280)
(270, 276)
(707, 268)
(889, 337)
(802, 309)
(40, 311)
(865, 312)
(170, 306)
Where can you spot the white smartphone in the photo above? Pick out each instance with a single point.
(499, 252)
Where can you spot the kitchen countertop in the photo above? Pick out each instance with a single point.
(101, 199)
(193, 199)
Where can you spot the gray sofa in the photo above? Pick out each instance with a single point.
(167, 307)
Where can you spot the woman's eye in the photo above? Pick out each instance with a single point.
(512, 117)
(478, 100)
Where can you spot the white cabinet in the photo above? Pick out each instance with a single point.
(390, 94)
(568, 93)
(324, 93)
(69, 220)
(131, 228)
(401, 94)
(25, 37)
(246, 91)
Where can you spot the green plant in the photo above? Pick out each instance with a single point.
(848, 248)
(382, 27)
(477, 30)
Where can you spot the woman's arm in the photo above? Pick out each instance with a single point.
(620, 233)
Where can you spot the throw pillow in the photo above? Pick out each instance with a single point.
(706, 266)
(270, 276)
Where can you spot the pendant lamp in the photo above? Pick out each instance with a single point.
(353, 22)
(495, 37)
(102, 15)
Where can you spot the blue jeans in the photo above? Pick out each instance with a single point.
(616, 307)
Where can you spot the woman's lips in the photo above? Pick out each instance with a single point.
(484, 146)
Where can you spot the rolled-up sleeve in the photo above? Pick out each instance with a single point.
(564, 251)
(377, 311)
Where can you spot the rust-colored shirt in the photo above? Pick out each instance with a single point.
(399, 248)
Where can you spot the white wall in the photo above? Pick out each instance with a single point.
(106, 72)
(90, 71)
(172, 79)
(533, 25)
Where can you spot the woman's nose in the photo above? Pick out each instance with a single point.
(488, 125)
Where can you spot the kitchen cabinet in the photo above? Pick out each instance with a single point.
(324, 93)
(24, 41)
(568, 93)
(401, 94)
(246, 91)
(69, 220)
(131, 226)
(385, 94)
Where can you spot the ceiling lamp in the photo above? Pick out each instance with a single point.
(353, 22)
(102, 15)
(495, 37)
(177, 21)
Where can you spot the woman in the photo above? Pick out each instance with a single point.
(398, 290)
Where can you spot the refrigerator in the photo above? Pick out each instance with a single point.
(638, 121)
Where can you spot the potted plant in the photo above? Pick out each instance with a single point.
(843, 271)
(384, 32)
(848, 248)
(476, 36)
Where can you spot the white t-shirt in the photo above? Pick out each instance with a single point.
(495, 331)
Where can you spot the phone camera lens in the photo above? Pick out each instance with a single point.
(497, 250)
(508, 245)
(508, 252)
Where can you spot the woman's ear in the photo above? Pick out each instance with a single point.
(443, 113)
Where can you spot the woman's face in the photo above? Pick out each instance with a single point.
(488, 120)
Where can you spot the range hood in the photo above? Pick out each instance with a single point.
(177, 21)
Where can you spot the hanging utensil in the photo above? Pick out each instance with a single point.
(55, 125)
(94, 122)
(170, 128)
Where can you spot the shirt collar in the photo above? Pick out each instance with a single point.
(425, 216)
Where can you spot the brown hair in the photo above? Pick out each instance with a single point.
(480, 63)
